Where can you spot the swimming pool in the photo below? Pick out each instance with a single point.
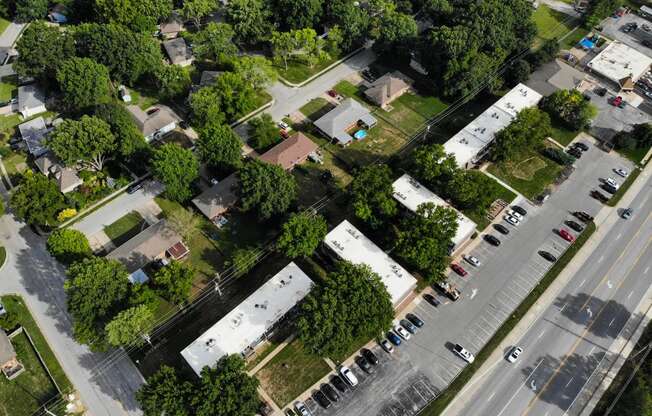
(360, 134)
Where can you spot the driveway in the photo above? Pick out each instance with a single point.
(117, 208)
(10, 35)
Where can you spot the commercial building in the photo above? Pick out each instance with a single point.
(242, 329)
(473, 141)
(409, 192)
(621, 65)
(347, 243)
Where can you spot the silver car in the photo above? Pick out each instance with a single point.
(514, 353)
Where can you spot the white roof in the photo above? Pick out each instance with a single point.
(478, 134)
(411, 194)
(247, 323)
(618, 61)
(351, 245)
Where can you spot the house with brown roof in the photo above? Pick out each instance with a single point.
(386, 89)
(8, 359)
(170, 28)
(219, 198)
(178, 52)
(155, 122)
(66, 178)
(290, 152)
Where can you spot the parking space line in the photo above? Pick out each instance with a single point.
(521, 285)
(518, 295)
(488, 323)
(492, 315)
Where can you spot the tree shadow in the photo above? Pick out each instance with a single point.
(603, 319)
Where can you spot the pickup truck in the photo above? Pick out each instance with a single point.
(448, 290)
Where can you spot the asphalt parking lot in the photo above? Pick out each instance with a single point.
(613, 29)
(423, 366)
(611, 119)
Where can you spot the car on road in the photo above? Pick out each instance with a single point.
(393, 338)
(463, 353)
(513, 355)
(512, 220)
(301, 408)
(339, 384)
(330, 392)
(369, 356)
(599, 196)
(627, 214)
(364, 364)
(472, 260)
(431, 299)
(621, 172)
(492, 240)
(402, 332)
(385, 345)
(548, 256)
(566, 235)
(519, 209)
(458, 269)
(501, 229)
(409, 326)
(583, 216)
(135, 187)
(574, 225)
(582, 146)
(321, 398)
(348, 376)
(415, 320)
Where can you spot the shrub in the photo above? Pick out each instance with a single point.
(558, 155)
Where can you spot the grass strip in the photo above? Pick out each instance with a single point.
(438, 406)
(613, 201)
(3, 256)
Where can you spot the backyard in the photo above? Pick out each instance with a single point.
(551, 24)
(125, 228)
(8, 88)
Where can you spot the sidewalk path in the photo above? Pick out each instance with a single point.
(11, 33)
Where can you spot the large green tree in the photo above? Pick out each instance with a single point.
(301, 234)
(220, 147)
(68, 245)
(129, 326)
(41, 50)
(28, 10)
(215, 42)
(172, 80)
(424, 239)
(195, 10)
(250, 19)
(37, 200)
(298, 14)
(472, 189)
(353, 22)
(396, 33)
(177, 168)
(599, 9)
(570, 107)
(640, 137)
(167, 393)
(526, 132)
(174, 281)
(96, 291)
(140, 15)
(87, 141)
(302, 45)
(256, 70)
(433, 166)
(266, 188)
(351, 304)
(205, 106)
(129, 138)
(371, 191)
(83, 82)
(229, 98)
(263, 132)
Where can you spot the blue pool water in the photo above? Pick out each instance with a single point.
(360, 134)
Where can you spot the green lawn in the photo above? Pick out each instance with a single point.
(316, 108)
(551, 24)
(530, 174)
(125, 228)
(635, 155)
(562, 134)
(8, 88)
(298, 72)
(3, 255)
(291, 372)
(410, 111)
(15, 163)
(262, 98)
(573, 39)
(3, 24)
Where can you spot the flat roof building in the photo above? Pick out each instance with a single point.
(350, 244)
(472, 142)
(409, 192)
(621, 64)
(243, 328)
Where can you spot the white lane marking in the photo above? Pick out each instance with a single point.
(618, 236)
(600, 259)
(612, 321)
(473, 293)
(519, 389)
(541, 334)
(647, 269)
(591, 350)
(491, 396)
(609, 284)
(582, 284)
(569, 382)
(630, 294)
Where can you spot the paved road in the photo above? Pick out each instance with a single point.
(564, 346)
(560, 6)
(117, 208)
(10, 35)
(33, 274)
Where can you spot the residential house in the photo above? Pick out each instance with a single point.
(178, 52)
(157, 241)
(155, 122)
(66, 177)
(8, 359)
(31, 101)
(290, 152)
(219, 198)
(34, 133)
(350, 114)
(170, 29)
(386, 89)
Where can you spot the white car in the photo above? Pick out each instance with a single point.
(514, 214)
(387, 346)
(463, 353)
(612, 182)
(513, 355)
(472, 260)
(621, 172)
(349, 376)
(511, 220)
(283, 125)
(402, 332)
(302, 409)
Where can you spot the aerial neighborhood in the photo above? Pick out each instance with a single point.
(325, 207)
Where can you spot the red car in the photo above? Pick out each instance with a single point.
(566, 235)
(284, 134)
(458, 269)
(332, 93)
(617, 101)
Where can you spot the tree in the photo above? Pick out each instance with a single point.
(598, 10)
(546, 53)
(28, 10)
(283, 45)
(174, 282)
(371, 191)
(37, 200)
(177, 168)
(298, 14)
(129, 138)
(196, 9)
(128, 326)
(640, 137)
(96, 290)
(87, 141)
(351, 304)
(68, 245)
(249, 19)
(220, 147)
(243, 260)
(215, 42)
(526, 132)
(140, 15)
(41, 50)
(226, 390)
(165, 393)
(229, 98)
(472, 189)
(172, 80)
(352, 21)
(301, 234)
(184, 222)
(263, 133)
(266, 188)
(397, 32)
(424, 239)
(256, 70)
(84, 83)
(570, 108)
(433, 165)
(518, 72)
(206, 107)
(302, 45)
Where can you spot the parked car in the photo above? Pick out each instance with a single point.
(402, 332)
(431, 299)
(612, 182)
(647, 43)
(463, 353)
(330, 392)
(514, 214)
(599, 196)
(321, 398)
(415, 320)
(283, 125)
(332, 93)
(566, 235)
(284, 134)
(582, 146)
(302, 409)
(449, 290)
(627, 214)
(339, 384)
(369, 356)
(135, 187)
(575, 152)
(514, 353)
(472, 260)
(458, 269)
(409, 326)
(512, 220)
(583, 216)
(548, 256)
(385, 345)
(618, 102)
(621, 172)
(290, 412)
(492, 240)
(364, 364)
(519, 209)
(501, 229)
(393, 338)
(348, 376)
(574, 225)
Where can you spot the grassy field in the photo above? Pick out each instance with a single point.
(529, 175)
(8, 88)
(291, 372)
(563, 135)
(573, 39)
(298, 72)
(551, 24)
(3, 24)
(125, 228)
(410, 111)
(3, 255)
(316, 108)
(635, 155)
(438, 406)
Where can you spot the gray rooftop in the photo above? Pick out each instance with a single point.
(33, 133)
(217, 199)
(177, 50)
(30, 96)
(7, 352)
(337, 121)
